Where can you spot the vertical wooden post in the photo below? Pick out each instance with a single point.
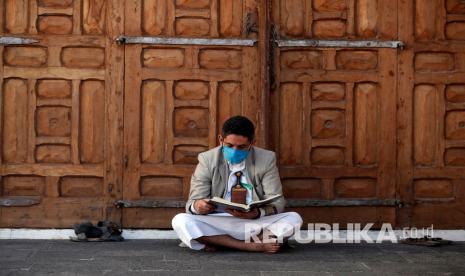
(404, 115)
(114, 111)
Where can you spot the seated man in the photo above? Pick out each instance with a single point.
(205, 227)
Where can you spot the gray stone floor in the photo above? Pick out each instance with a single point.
(164, 257)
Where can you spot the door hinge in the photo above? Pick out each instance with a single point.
(272, 46)
(251, 25)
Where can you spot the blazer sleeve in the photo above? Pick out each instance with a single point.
(271, 184)
(201, 183)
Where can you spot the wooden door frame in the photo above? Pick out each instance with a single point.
(254, 104)
(265, 46)
(386, 75)
(110, 73)
(114, 106)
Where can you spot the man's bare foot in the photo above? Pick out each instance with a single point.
(267, 247)
(209, 248)
(211, 242)
(264, 236)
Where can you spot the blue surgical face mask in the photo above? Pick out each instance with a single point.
(234, 156)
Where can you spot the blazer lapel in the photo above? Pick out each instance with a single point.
(223, 173)
(250, 165)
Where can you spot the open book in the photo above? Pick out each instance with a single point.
(220, 202)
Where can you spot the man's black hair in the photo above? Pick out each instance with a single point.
(239, 125)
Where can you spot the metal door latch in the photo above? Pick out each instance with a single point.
(184, 41)
(150, 203)
(13, 40)
(340, 43)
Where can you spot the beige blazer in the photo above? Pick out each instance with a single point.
(211, 177)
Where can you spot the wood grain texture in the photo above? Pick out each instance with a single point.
(86, 122)
(15, 122)
(65, 100)
(429, 128)
(91, 121)
(94, 16)
(177, 97)
(16, 16)
(345, 97)
(153, 121)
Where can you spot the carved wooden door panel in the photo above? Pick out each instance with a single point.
(61, 112)
(431, 157)
(334, 108)
(179, 92)
(85, 122)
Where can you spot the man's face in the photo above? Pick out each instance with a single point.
(238, 142)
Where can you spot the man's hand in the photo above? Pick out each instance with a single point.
(252, 214)
(203, 207)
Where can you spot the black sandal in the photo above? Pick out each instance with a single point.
(426, 241)
(104, 231)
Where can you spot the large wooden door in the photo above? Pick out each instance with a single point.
(334, 109)
(61, 112)
(431, 126)
(364, 131)
(178, 96)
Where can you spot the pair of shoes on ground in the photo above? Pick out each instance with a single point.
(426, 241)
(103, 231)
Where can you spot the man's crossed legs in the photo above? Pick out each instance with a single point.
(266, 234)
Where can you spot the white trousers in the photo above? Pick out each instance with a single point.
(189, 227)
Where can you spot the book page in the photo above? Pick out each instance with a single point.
(221, 202)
